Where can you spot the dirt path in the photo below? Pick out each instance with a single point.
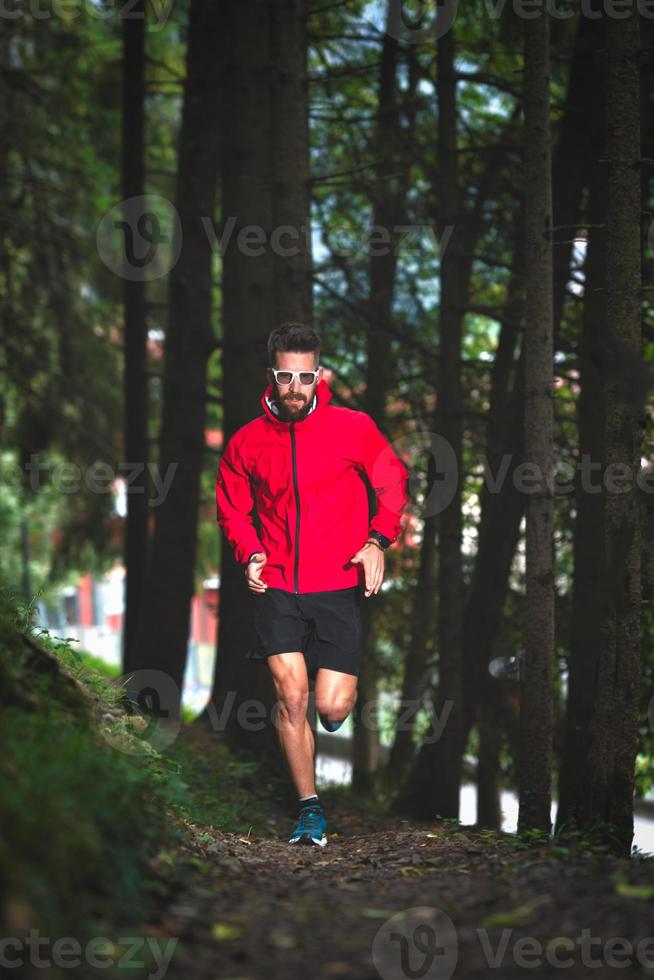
(257, 908)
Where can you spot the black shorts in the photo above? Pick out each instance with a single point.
(324, 626)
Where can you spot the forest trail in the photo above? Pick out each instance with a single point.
(245, 908)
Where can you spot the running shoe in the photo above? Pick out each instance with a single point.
(311, 827)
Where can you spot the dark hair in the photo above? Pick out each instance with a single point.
(292, 337)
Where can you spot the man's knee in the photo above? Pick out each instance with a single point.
(291, 685)
(293, 701)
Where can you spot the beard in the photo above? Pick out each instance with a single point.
(297, 410)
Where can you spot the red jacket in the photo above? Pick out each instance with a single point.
(305, 479)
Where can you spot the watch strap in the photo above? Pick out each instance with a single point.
(380, 539)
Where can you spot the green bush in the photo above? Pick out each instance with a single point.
(80, 818)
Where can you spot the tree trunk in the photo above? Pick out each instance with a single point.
(164, 626)
(446, 753)
(536, 707)
(572, 163)
(290, 198)
(573, 157)
(489, 813)
(265, 181)
(498, 532)
(434, 785)
(589, 573)
(417, 664)
(614, 729)
(388, 212)
(136, 447)
(420, 652)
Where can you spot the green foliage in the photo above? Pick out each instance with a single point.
(599, 838)
(80, 820)
(226, 791)
(104, 813)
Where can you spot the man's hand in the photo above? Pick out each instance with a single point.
(253, 571)
(372, 559)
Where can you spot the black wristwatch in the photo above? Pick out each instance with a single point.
(381, 539)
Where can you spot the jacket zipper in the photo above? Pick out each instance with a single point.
(297, 508)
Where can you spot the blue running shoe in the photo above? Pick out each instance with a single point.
(311, 827)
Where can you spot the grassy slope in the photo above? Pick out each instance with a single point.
(90, 813)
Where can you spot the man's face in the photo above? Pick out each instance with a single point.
(294, 399)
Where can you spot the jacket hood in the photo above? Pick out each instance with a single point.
(323, 395)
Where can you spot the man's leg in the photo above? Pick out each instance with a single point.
(289, 672)
(336, 694)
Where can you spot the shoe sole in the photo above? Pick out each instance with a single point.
(307, 839)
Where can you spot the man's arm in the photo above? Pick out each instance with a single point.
(388, 477)
(235, 504)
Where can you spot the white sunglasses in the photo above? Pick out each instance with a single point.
(286, 377)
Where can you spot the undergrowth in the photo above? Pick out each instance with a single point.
(86, 805)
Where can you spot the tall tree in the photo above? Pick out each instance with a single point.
(391, 179)
(614, 728)
(536, 707)
(502, 511)
(574, 153)
(170, 584)
(447, 751)
(460, 230)
(589, 571)
(498, 532)
(135, 424)
(265, 174)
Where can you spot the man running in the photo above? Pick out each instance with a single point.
(303, 466)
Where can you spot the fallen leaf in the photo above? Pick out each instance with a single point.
(225, 931)
(515, 917)
(411, 870)
(626, 890)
